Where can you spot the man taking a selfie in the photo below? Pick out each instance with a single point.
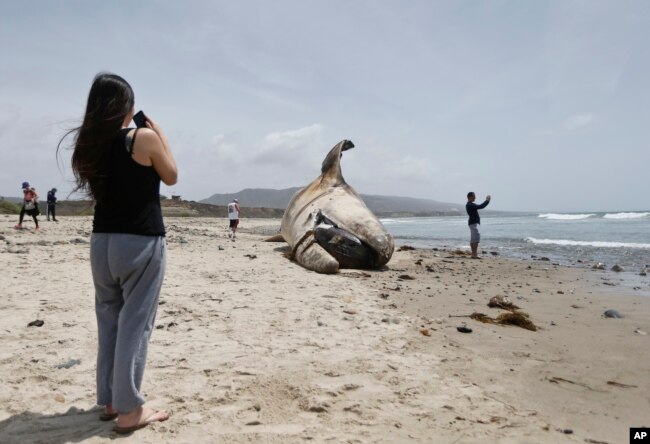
(474, 221)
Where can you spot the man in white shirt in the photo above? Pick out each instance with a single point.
(233, 215)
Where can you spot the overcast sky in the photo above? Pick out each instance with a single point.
(543, 104)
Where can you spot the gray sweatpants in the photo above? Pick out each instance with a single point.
(128, 271)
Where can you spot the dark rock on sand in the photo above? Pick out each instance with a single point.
(617, 268)
(612, 314)
(69, 363)
(18, 250)
(36, 323)
(464, 329)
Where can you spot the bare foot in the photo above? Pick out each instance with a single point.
(139, 418)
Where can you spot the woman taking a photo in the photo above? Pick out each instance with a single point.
(121, 168)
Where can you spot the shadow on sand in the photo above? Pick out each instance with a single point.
(75, 425)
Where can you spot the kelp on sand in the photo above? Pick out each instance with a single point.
(518, 318)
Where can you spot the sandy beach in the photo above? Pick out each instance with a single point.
(250, 347)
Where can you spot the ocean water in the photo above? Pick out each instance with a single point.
(569, 239)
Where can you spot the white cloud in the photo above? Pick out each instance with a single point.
(222, 149)
(377, 169)
(293, 157)
(289, 146)
(572, 123)
(28, 151)
(221, 164)
(412, 168)
(544, 132)
(8, 115)
(579, 121)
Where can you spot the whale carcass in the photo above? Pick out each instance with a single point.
(328, 226)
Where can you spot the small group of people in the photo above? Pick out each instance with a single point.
(30, 205)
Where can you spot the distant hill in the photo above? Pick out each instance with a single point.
(197, 209)
(259, 203)
(383, 206)
(176, 208)
(255, 197)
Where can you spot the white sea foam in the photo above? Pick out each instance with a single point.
(600, 244)
(625, 215)
(390, 221)
(555, 216)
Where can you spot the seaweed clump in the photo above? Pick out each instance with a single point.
(518, 318)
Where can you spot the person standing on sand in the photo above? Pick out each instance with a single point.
(30, 205)
(474, 221)
(122, 174)
(233, 215)
(51, 204)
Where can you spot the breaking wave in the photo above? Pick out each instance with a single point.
(599, 244)
(555, 216)
(625, 215)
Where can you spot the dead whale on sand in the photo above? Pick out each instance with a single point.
(328, 226)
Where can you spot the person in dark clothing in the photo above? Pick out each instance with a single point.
(121, 169)
(51, 204)
(474, 221)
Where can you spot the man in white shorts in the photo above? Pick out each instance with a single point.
(233, 215)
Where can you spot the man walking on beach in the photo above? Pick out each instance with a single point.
(474, 221)
(233, 215)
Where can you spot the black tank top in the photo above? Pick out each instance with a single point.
(131, 203)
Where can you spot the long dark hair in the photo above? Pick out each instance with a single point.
(109, 102)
